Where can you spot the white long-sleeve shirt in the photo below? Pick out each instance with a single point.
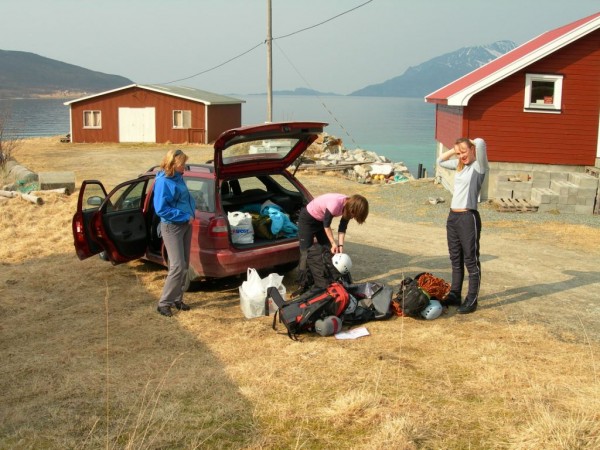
(467, 182)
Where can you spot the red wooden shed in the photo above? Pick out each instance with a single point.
(537, 106)
(153, 113)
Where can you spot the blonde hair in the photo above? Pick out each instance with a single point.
(172, 159)
(470, 143)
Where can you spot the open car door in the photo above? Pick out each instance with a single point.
(114, 223)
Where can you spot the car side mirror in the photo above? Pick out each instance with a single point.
(94, 201)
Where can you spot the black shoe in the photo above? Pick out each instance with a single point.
(453, 299)
(182, 306)
(165, 311)
(467, 307)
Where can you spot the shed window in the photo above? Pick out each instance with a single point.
(92, 119)
(182, 119)
(543, 93)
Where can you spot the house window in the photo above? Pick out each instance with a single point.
(92, 119)
(543, 93)
(182, 119)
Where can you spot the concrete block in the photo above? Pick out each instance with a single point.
(56, 180)
(540, 182)
(584, 209)
(540, 175)
(505, 184)
(563, 188)
(504, 193)
(559, 176)
(547, 207)
(586, 192)
(541, 196)
(540, 179)
(586, 201)
(522, 189)
(566, 209)
(583, 180)
(567, 200)
(504, 175)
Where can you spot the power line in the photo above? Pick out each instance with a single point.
(325, 107)
(217, 66)
(324, 22)
(264, 42)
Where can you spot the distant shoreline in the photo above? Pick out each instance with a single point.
(55, 95)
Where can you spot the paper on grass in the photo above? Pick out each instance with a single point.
(355, 333)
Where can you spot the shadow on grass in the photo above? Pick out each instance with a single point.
(91, 364)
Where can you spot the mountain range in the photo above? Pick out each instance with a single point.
(431, 75)
(27, 75)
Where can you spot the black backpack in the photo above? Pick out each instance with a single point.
(368, 301)
(410, 298)
(299, 315)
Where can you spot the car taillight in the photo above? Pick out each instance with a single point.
(217, 227)
(78, 230)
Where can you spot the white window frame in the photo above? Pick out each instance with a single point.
(553, 106)
(92, 118)
(182, 119)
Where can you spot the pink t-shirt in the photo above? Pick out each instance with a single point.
(332, 202)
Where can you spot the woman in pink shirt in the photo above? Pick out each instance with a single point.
(315, 222)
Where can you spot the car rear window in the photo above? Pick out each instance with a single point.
(203, 192)
(272, 148)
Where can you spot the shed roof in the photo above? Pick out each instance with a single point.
(193, 94)
(460, 91)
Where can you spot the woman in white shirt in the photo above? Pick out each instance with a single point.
(463, 226)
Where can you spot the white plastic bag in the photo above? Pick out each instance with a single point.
(254, 290)
(241, 227)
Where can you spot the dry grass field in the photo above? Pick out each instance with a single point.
(88, 363)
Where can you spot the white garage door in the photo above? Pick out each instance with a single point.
(137, 125)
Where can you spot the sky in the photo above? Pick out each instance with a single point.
(336, 46)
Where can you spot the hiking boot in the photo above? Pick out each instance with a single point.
(165, 311)
(453, 299)
(467, 307)
(182, 306)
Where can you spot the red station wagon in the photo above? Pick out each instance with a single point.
(249, 168)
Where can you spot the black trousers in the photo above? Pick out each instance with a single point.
(463, 230)
(309, 228)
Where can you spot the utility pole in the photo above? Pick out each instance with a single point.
(269, 65)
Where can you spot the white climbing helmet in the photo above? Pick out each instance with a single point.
(342, 263)
(433, 310)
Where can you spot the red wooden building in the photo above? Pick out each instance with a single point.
(153, 113)
(537, 106)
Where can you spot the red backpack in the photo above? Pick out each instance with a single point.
(299, 315)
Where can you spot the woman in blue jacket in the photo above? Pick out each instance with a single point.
(176, 209)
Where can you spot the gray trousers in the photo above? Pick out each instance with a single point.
(177, 239)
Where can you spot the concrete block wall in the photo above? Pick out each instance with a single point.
(563, 191)
(568, 192)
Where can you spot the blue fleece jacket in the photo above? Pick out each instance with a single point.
(172, 200)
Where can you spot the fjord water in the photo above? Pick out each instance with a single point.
(400, 128)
